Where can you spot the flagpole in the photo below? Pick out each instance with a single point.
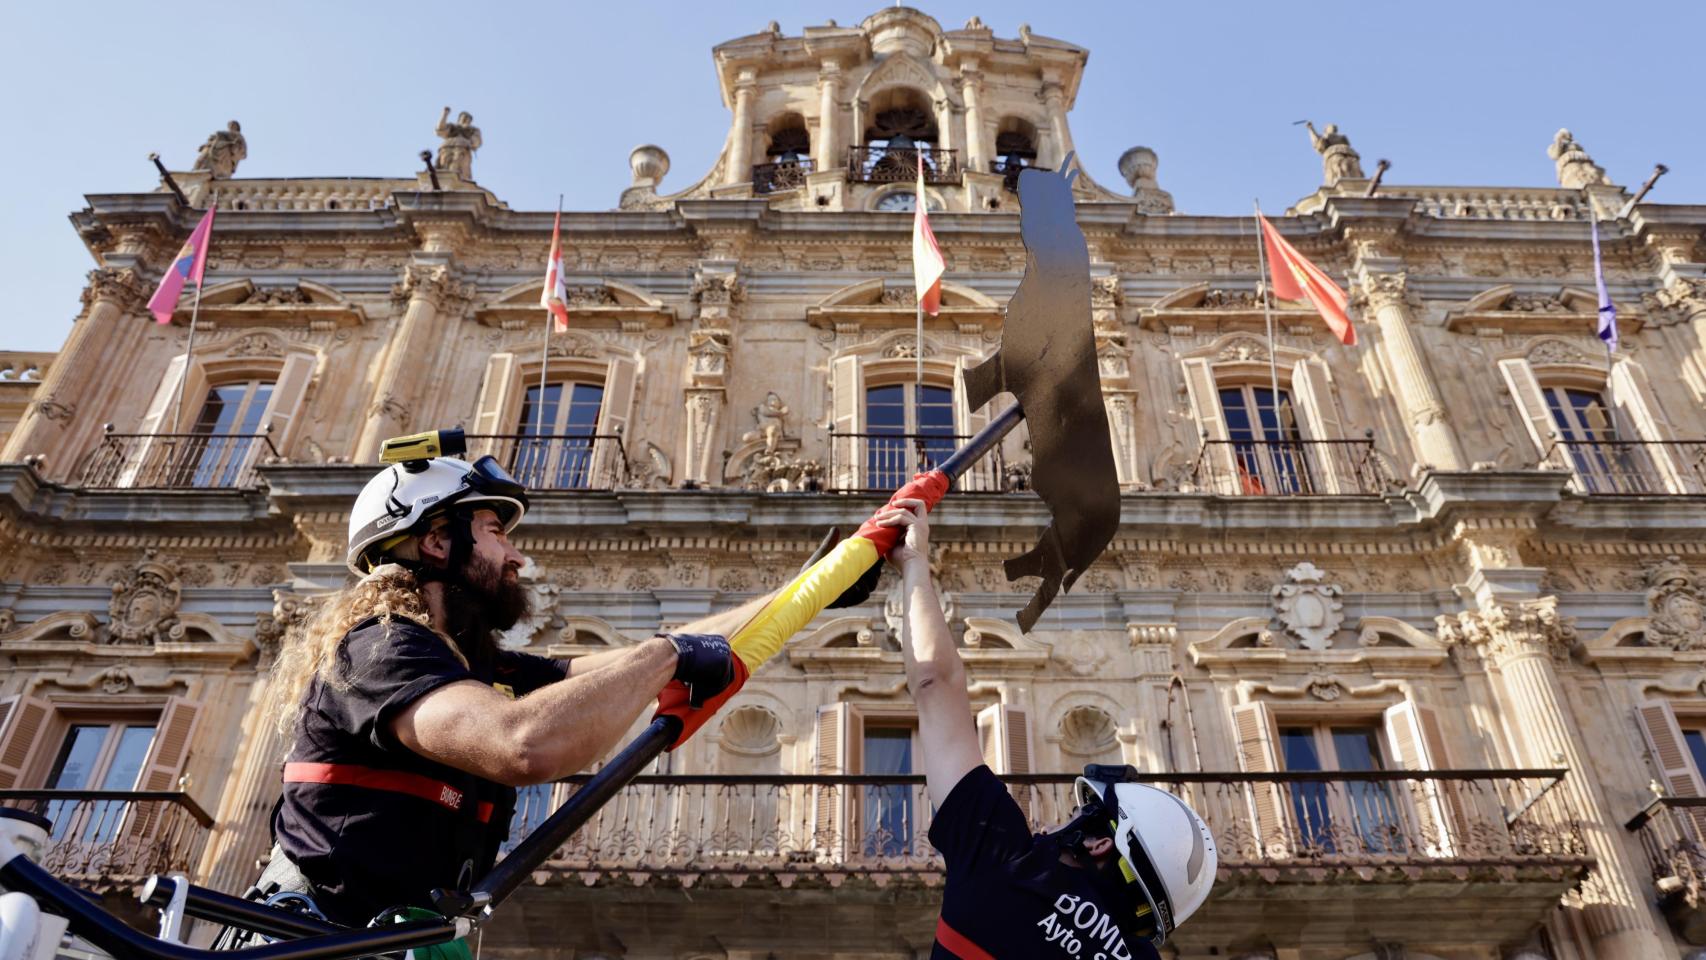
(1267, 311)
(189, 348)
(545, 350)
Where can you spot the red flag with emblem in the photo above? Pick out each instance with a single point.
(1295, 278)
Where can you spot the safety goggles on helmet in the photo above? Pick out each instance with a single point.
(1146, 894)
(488, 478)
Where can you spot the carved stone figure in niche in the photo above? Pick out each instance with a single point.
(222, 152)
(1309, 610)
(771, 417)
(782, 473)
(1338, 160)
(457, 144)
(1575, 168)
(1677, 605)
(144, 606)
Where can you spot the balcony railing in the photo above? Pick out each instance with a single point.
(175, 460)
(1009, 171)
(881, 462)
(116, 837)
(1466, 821)
(1605, 467)
(879, 163)
(593, 461)
(776, 177)
(1672, 831)
(1275, 468)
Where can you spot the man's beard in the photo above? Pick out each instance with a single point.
(482, 602)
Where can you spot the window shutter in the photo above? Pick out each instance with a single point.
(1005, 734)
(1442, 806)
(164, 764)
(829, 803)
(494, 402)
(1329, 465)
(1632, 396)
(1205, 403)
(609, 465)
(1253, 725)
(1669, 749)
(139, 462)
(23, 720)
(847, 416)
(1531, 403)
(284, 410)
(967, 422)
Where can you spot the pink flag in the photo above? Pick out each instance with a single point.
(555, 296)
(927, 262)
(189, 264)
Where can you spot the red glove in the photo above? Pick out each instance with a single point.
(928, 487)
(672, 701)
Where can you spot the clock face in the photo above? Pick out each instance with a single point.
(901, 201)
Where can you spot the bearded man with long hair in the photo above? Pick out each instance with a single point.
(410, 727)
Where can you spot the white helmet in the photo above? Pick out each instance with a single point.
(1166, 850)
(396, 502)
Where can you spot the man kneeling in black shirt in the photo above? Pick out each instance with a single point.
(1113, 884)
(409, 727)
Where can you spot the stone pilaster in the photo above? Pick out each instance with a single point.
(716, 290)
(111, 295)
(1523, 641)
(740, 145)
(1436, 444)
(1054, 104)
(829, 151)
(432, 295)
(971, 90)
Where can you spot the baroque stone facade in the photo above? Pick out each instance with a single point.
(1472, 543)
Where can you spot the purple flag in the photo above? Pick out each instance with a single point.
(1607, 311)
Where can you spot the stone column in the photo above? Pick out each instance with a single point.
(1522, 639)
(111, 296)
(829, 152)
(971, 88)
(428, 290)
(740, 144)
(1435, 442)
(1054, 102)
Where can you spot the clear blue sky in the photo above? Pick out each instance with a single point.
(1451, 92)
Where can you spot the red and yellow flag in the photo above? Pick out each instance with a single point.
(1295, 278)
(927, 263)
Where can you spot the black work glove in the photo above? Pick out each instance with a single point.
(861, 589)
(704, 663)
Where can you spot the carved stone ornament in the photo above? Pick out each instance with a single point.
(1505, 631)
(1677, 606)
(1535, 303)
(1386, 290)
(222, 152)
(1575, 168)
(1218, 299)
(1555, 352)
(255, 345)
(8, 620)
(1324, 687)
(144, 606)
(123, 288)
(771, 417)
(1309, 610)
(1105, 293)
(277, 297)
(1684, 298)
(717, 288)
(906, 348)
(898, 297)
(1243, 349)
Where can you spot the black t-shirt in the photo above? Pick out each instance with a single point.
(363, 849)
(1041, 913)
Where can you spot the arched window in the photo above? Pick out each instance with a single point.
(787, 157)
(557, 430)
(901, 132)
(1015, 149)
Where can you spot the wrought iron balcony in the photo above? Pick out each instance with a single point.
(175, 460)
(880, 163)
(1009, 171)
(1277, 468)
(777, 177)
(1642, 467)
(590, 461)
(1672, 831)
(1307, 827)
(106, 839)
(881, 462)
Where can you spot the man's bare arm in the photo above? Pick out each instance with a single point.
(557, 730)
(934, 673)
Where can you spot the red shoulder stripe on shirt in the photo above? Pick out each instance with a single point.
(955, 943)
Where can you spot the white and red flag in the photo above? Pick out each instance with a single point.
(927, 263)
(555, 296)
(1295, 278)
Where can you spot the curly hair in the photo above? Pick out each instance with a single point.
(309, 650)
